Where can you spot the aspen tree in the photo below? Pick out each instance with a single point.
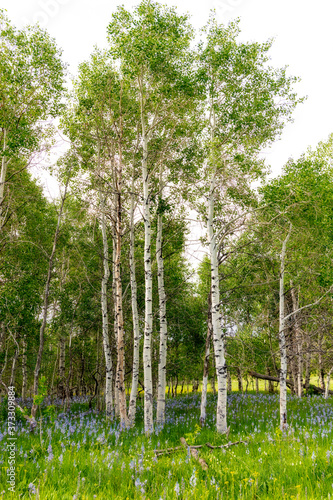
(244, 114)
(135, 315)
(160, 415)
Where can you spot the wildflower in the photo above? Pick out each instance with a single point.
(193, 479)
(137, 482)
(32, 488)
(177, 489)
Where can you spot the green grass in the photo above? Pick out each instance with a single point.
(84, 457)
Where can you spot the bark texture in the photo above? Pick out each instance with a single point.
(160, 415)
(105, 320)
(147, 363)
(135, 316)
(282, 338)
(206, 364)
(218, 341)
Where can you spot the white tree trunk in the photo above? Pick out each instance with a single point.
(120, 320)
(160, 415)
(282, 339)
(105, 321)
(206, 366)
(135, 315)
(115, 324)
(147, 363)
(327, 389)
(218, 341)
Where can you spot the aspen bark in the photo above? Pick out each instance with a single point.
(328, 380)
(115, 323)
(119, 309)
(218, 342)
(282, 338)
(160, 415)
(105, 320)
(147, 363)
(135, 315)
(206, 364)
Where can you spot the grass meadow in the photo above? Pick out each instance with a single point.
(80, 455)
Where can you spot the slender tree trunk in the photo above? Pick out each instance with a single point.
(229, 382)
(24, 368)
(160, 415)
(46, 302)
(282, 339)
(62, 355)
(4, 164)
(2, 336)
(135, 315)
(321, 381)
(218, 342)
(307, 364)
(176, 385)
(298, 337)
(206, 364)
(54, 373)
(115, 324)
(14, 360)
(120, 320)
(105, 320)
(240, 380)
(147, 360)
(327, 389)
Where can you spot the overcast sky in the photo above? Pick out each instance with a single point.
(303, 40)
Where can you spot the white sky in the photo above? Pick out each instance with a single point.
(303, 41)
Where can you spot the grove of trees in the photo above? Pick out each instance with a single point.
(97, 292)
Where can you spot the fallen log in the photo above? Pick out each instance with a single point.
(225, 445)
(269, 377)
(314, 388)
(168, 451)
(194, 453)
